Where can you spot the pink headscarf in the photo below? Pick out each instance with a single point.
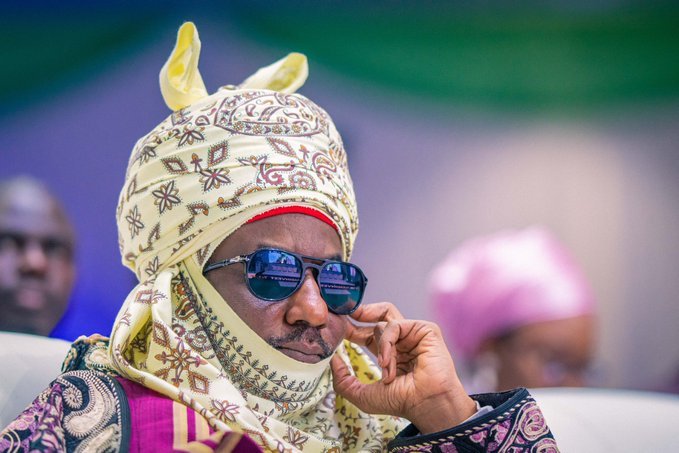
(491, 285)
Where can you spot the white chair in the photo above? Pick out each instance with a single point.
(28, 363)
(607, 420)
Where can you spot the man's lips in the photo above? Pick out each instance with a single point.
(30, 297)
(303, 353)
(304, 343)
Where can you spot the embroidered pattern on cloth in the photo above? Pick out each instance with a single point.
(521, 428)
(80, 411)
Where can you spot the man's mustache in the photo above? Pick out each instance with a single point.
(302, 333)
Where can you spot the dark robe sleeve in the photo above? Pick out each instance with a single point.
(515, 424)
(84, 410)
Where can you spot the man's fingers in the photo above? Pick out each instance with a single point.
(387, 353)
(378, 312)
(380, 339)
(345, 384)
(362, 335)
(370, 398)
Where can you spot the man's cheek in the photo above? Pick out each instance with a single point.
(62, 278)
(8, 279)
(339, 330)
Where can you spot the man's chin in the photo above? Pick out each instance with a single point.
(29, 311)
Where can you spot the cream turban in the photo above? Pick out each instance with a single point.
(221, 159)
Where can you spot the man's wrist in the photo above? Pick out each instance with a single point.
(443, 412)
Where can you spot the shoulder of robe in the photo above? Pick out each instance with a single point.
(81, 410)
(89, 353)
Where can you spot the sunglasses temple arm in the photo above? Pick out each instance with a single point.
(224, 263)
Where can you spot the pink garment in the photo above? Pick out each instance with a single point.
(491, 285)
(158, 423)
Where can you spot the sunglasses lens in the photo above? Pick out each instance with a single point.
(342, 286)
(273, 274)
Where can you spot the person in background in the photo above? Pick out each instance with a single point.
(37, 268)
(516, 310)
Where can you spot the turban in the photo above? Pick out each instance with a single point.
(492, 285)
(227, 157)
(217, 162)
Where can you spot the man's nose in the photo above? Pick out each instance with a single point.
(33, 259)
(306, 304)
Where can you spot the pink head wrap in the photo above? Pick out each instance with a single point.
(492, 285)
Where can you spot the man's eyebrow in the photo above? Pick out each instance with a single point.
(264, 245)
(19, 234)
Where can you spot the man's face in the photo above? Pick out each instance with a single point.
(546, 354)
(300, 326)
(36, 263)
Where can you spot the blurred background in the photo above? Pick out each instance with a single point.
(458, 121)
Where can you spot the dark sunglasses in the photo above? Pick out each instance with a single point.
(273, 274)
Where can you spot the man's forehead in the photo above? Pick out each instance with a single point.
(35, 221)
(331, 255)
(297, 233)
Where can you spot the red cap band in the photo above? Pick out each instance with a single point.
(295, 210)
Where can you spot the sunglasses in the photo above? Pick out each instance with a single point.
(274, 275)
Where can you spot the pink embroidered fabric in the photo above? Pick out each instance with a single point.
(158, 423)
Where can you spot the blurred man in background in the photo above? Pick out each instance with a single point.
(516, 310)
(37, 267)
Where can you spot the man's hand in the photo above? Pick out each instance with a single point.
(419, 381)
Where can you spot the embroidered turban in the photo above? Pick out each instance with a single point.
(217, 162)
(491, 285)
(228, 157)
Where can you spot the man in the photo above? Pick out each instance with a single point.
(238, 216)
(36, 258)
(517, 310)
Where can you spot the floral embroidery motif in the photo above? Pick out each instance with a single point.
(134, 221)
(166, 197)
(80, 411)
(226, 410)
(189, 135)
(180, 360)
(295, 438)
